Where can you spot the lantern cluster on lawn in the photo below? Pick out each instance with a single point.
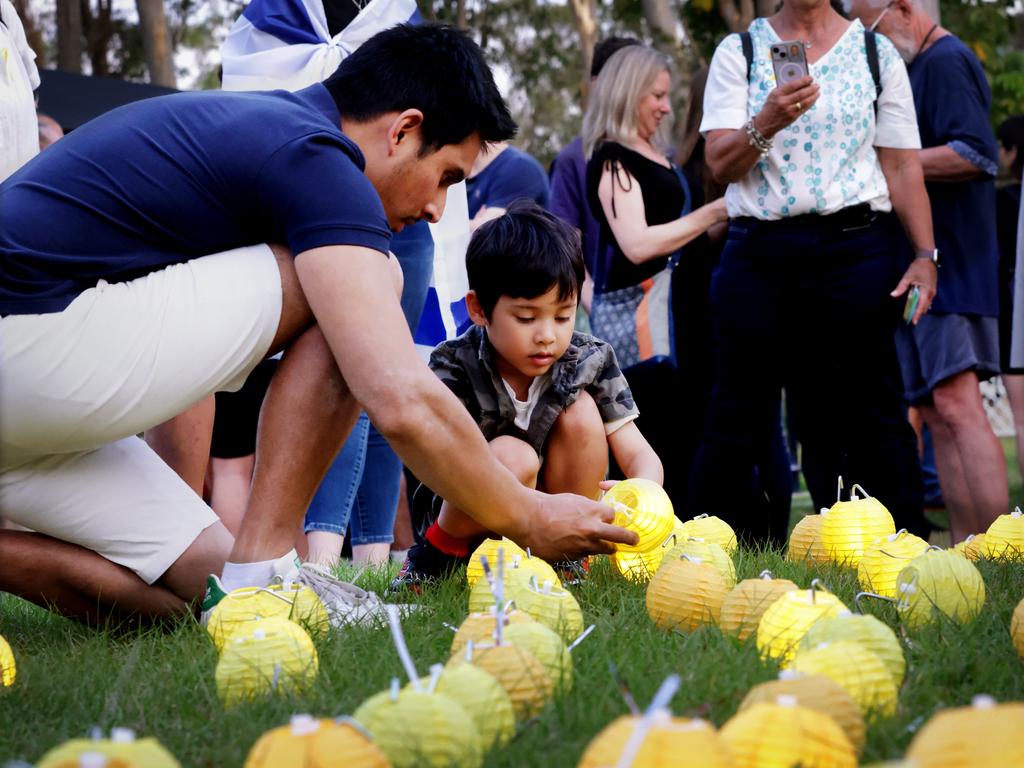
(884, 558)
(746, 603)
(857, 669)
(685, 593)
(489, 549)
(936, 584)
(1004, 539)
(241, 609)
(983, 735)
(787, 620)
(273, 655)
(973, 547)
(308, 742)
(707, 552)
(484, 699)
(782, 734)
(850, 527)
(805, 544)
(869, 632)
(711, 529)
(480, 627)
(122, 748)
(664, 741)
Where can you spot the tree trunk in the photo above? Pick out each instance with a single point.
(156, 42)
(69, 35)
(33, 34)
(737, 14)
(584, 13)
(460, 15)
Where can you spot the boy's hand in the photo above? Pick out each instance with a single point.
(567, 526)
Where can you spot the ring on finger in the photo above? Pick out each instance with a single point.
(799, 107)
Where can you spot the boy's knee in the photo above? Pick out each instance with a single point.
(581, 417)
(518, 457)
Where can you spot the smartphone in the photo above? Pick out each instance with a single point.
(910, 308)
(789, 60)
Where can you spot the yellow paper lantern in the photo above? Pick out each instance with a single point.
(787, 620)
(747, 602)
(857, 669)
(547, 647)
(783, 735)
(822, 694)
(972, 547)
(685, 593)
(884, 558)
(872, 633)
(122, 748)
(641, 506)
(850, 526)
(708, 552)
(1017, 628)
(8, 669)
(482, 696)
(274, 655)
(517, 575)
(939, 583)
(307, 742)
(479, 627)
(983, 735)
(489, 548)
(523, 677)
(1004, 539)
(416, 728)
(805, 545)
(665, 743)
(555, 608)
(241, 608)
(711, 529)
(94, 760)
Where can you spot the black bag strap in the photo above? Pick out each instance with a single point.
(748, 51)
(871, 48)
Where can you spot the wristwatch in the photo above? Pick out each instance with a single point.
(932, 255)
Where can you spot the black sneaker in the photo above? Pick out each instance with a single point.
(425, 563)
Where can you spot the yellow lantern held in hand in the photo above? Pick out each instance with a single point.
(1004, 539)
(805, 545)
(939, 583)
(857, 669)
(711, 529)
(745, 605)
(850, 526)
(276, 654)
(641, 506)
(665, 743)
(685, 593)
(241, 608)
(8, 668)
(787, 620)
(708, 552)
(822, 694)
(307, 742)
(872, 633)
(783, 734)
(983, 735)
(884, 558)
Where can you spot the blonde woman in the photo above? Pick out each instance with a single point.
(640, 201)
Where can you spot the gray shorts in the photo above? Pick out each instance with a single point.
(943, 345)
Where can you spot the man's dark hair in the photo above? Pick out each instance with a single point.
(604, 49)
(1011, 135)
(524, 254)
(434, 68)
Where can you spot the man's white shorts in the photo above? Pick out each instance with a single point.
(78, 386)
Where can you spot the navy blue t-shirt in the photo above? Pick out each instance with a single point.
(166, 180)
(510, 176)
(953, 99)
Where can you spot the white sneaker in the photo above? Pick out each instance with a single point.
(345, 602)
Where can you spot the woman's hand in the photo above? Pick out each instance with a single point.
(785, 104)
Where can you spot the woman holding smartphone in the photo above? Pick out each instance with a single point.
(825, 189)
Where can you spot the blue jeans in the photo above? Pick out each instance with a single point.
(804, 303)
(360, 491)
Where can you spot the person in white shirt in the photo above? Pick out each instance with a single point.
(816, 270)
(19, 131)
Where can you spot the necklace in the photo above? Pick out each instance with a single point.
(926, 39)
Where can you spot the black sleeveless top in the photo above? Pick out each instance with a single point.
(663, 202)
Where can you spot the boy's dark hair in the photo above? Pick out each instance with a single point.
(434, 68)
(604, 50)
(524, 254)
(1011, 135)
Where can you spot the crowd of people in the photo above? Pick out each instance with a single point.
(823, 257)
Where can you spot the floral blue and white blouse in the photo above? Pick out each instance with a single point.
(826, 160)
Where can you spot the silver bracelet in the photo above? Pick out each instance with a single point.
(756, 139)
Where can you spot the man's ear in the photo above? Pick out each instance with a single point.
(476, 312)
(405, 130)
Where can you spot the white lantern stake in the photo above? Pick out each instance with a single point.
(401, 647)
(658, 703)
(581, 638)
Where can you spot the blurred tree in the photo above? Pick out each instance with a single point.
(156, 42)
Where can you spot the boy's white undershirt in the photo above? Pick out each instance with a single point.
(524, 408)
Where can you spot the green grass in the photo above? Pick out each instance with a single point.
(160, 683)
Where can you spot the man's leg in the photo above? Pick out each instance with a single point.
(184, 442)
(576, 458)
(957, 403)
(952, 481)
(1014, 384)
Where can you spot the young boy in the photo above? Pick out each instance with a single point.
(549, 401)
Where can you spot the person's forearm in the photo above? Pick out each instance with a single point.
(946, 164)
(650, 242)
(904, 177)
(731, 156)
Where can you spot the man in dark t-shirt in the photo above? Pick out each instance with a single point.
(956, 343)
(136, 280)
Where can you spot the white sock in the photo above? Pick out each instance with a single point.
(259, 574)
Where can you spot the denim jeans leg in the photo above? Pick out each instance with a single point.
(332, 504)
(373, 516)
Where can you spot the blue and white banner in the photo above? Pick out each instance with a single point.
(285, 44)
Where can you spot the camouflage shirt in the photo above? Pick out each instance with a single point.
(467, 365)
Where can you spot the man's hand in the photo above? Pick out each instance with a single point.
(568, 526)
(924, 275)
